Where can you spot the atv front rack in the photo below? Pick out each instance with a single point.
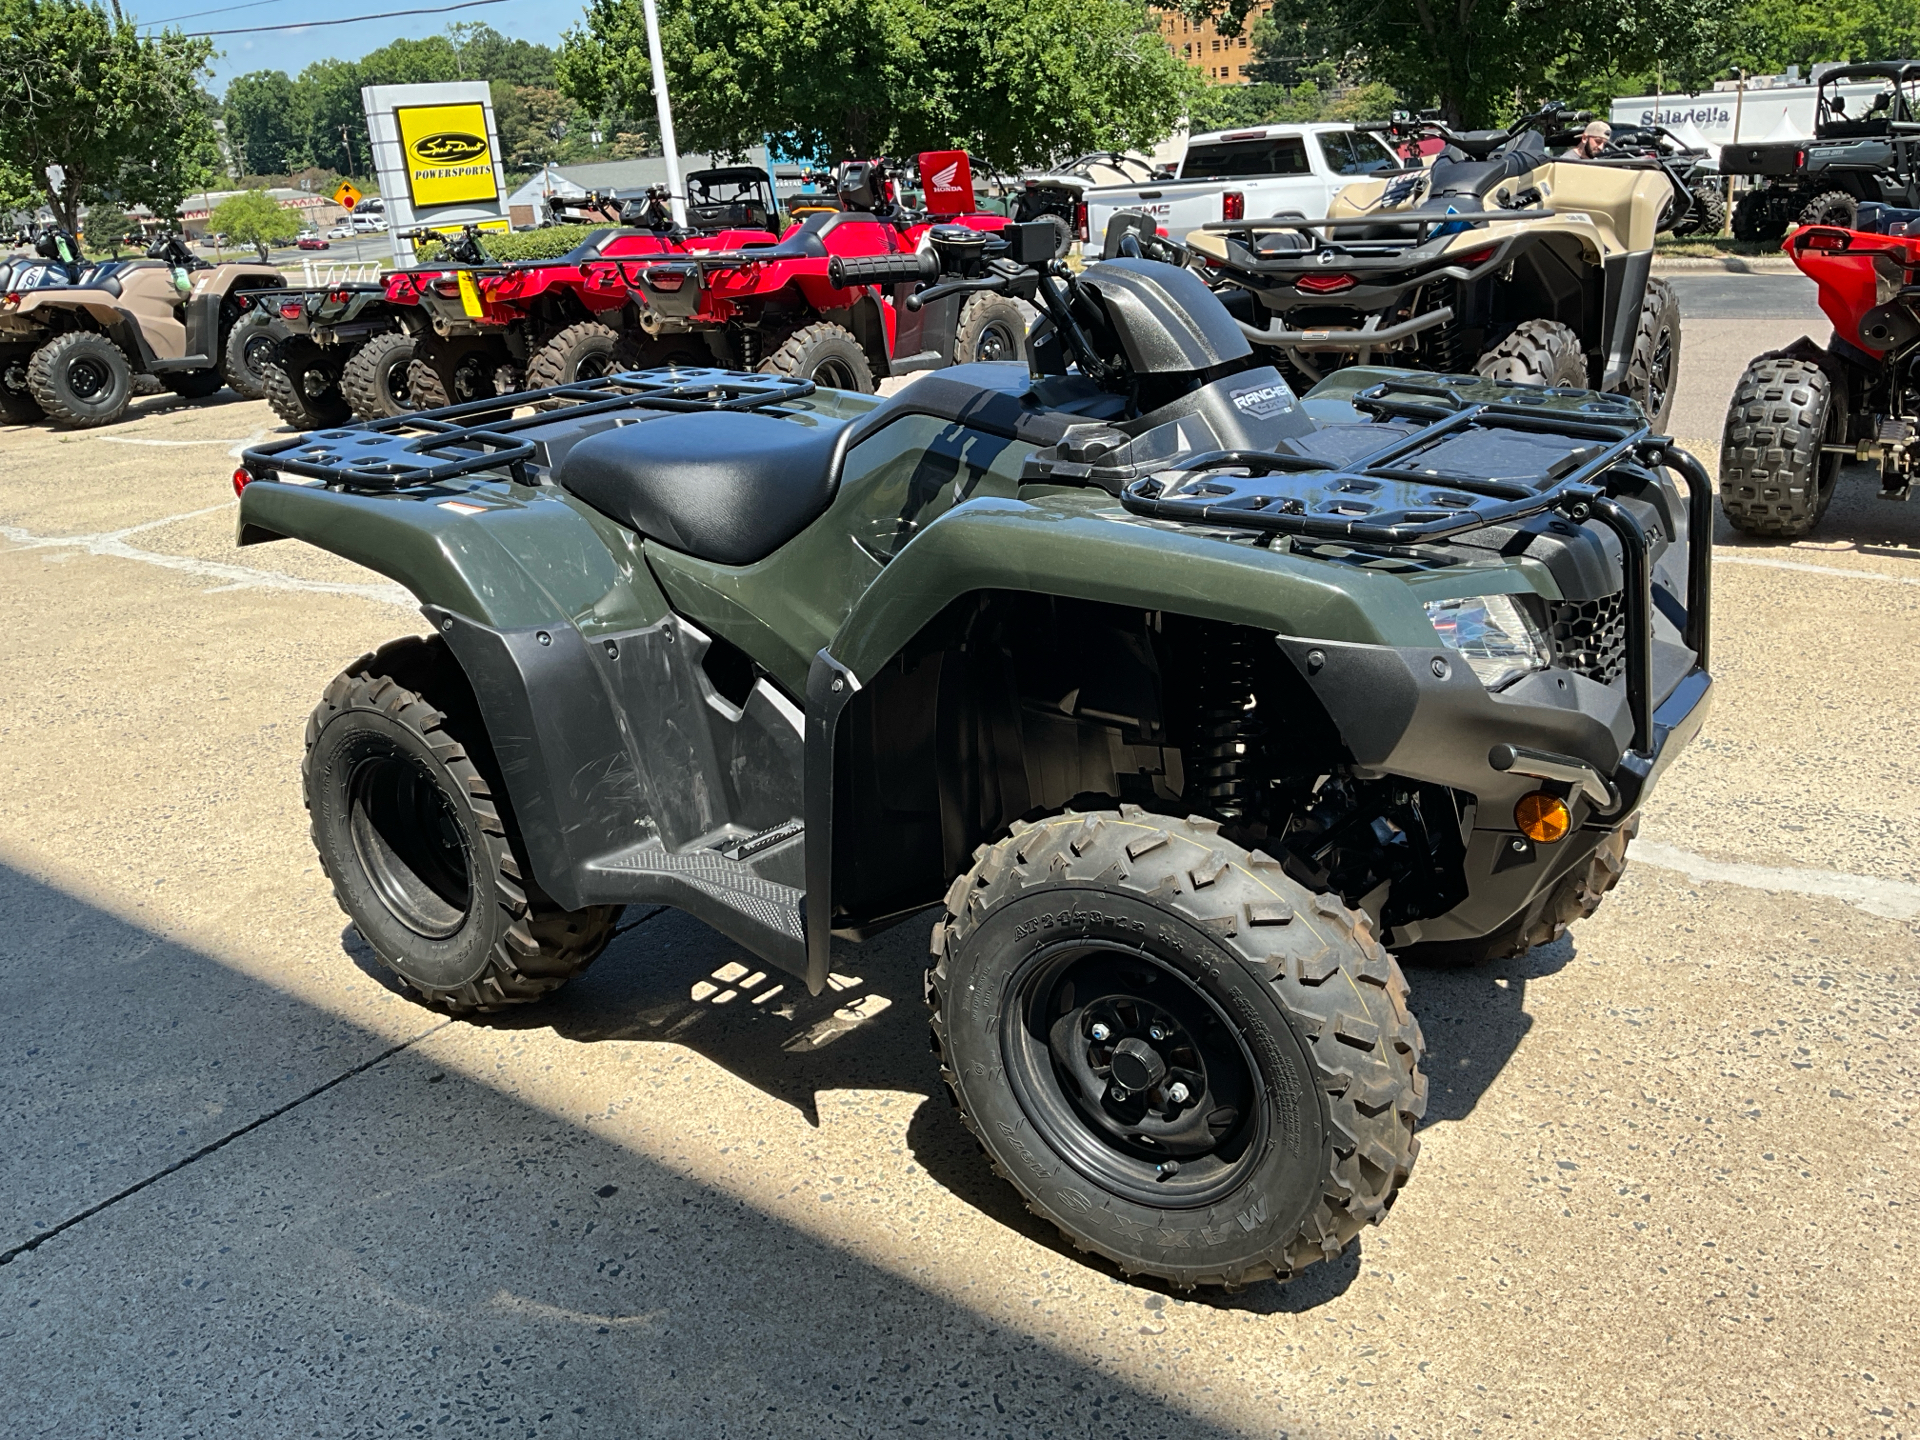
(433, 446)
(1408, 493)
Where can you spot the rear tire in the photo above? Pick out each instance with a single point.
(992, 328)
(1835, 207)
(1775, 481)
(1274, 1008)
(303, 387)
(376, 378)
(1708, 217)
(826, 354)
(1753, 219)
(580, 352)
(80, 380)
(17, 405)
(454, 374)
(1654, 371)
(252, 343)
(1538, 352)
(412, 828)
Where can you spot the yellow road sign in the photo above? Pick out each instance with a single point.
(347, 195)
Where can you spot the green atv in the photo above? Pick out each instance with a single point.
(1179, 700)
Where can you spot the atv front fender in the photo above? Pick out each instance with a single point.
(1079, 548)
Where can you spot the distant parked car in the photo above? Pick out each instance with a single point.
(340, 232)
(311, 242)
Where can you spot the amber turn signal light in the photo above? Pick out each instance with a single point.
(1542, 818)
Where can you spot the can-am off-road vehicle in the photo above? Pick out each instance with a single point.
(1699, 190)
(1800, 414)
(1866, 154)
(170, 315)
(1496, 259)
(1178, 700)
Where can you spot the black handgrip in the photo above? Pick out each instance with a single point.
(844, 270)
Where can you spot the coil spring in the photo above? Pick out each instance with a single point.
(747, 349)
(1228, 729)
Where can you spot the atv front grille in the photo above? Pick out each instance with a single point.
(1590, 636)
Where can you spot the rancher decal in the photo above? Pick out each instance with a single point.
(449, 161)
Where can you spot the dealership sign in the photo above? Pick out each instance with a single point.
(438, 156)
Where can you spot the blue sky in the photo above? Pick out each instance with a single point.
(293, 50)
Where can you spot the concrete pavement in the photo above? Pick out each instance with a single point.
(1666, 1172)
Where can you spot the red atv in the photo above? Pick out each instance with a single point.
(786, 309)
(1799, 414)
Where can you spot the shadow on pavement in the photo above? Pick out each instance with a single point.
(410, 1251)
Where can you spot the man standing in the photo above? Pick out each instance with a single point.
(1592, 141)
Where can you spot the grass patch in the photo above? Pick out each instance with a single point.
(543, 244)
(1711, 247)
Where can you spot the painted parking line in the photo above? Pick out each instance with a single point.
(1893, 899)
(1837, 572)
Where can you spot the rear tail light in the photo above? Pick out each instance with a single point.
(241, 479)
(446, 285)
(339, 297)
(291, 310)
(1324, 284)
(13, 297)
(1478, 257)
(1799, 159)
(1233, 205)
(1821, 238)
(1080, 221)
(664, 279)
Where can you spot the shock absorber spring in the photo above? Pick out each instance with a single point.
(747, 348)
(1227, 724)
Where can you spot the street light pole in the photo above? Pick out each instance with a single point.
(676, 197)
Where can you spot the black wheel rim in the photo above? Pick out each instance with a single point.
(257, 352)
(996, 343)
(835, 374)
(593, 365)
(410, 844)
(1133, 1074)
(315, 382)
(397, 383)
(87, 377)
(1659, 373)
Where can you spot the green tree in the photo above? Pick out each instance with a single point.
(122, 114)
(262, 123)
(107, 227)
(1769, 35)
(253, 218)
(1016, 83)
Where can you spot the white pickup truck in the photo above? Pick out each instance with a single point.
(1246, 175)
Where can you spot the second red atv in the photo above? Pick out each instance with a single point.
(1799, 414)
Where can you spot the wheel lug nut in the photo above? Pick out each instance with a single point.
(1158, 1032)
(1100, 1032)
(1177, 1092)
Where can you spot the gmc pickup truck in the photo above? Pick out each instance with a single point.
(1247, 175)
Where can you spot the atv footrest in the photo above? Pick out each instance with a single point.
(764, 915)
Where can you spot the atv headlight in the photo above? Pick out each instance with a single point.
(1493, 635)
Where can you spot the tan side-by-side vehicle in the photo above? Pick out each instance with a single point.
(70, 352)
(1499, 259)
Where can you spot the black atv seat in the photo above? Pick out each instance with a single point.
(730, 488)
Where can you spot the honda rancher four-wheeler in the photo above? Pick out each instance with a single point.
(342, 352)
(1496, 259)
(1178, 700)
(1856, 155)
(170, 315)
(1800, 414)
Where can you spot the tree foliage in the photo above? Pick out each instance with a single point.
(277, 124)
(1015, 81)
(254, 218)
(120, 113)
(107, 228)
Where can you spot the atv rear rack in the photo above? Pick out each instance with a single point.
(1388, 498)
(430, 447)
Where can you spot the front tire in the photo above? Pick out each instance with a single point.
(826, 354)
(1775, 479)
(253, 342)
(405, 803)
(1654, 371)
(376, 378)
(1537, 352)
(1753, 218)
(1266, 1066)
(1576, 897)
(580, 352)
(992, 328)
(80, 380)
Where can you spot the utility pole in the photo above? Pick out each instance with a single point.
(347, 140)
(676, 196)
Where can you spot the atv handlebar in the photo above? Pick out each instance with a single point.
(844, 270)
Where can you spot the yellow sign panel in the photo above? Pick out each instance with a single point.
(470, 295)
(449, 160)
(347, 196)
